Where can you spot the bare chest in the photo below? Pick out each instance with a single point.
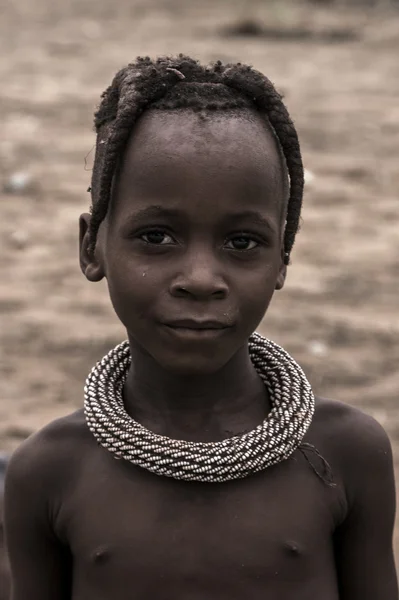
(125, 524)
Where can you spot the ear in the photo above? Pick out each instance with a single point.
(90, 264)
(282, 273)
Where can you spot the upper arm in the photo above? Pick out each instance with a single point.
(364, 552)
(39, 562)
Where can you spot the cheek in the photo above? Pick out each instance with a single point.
(258, 283)
(133, 289)
(255, 291)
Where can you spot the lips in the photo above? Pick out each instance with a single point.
(197, 330)
(197, 325)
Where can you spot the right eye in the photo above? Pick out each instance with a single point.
(157, 237)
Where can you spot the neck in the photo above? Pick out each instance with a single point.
(195, 407)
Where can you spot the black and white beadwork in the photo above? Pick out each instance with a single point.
(272, 441)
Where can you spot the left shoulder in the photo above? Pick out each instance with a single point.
(355, 443)
(350, 429)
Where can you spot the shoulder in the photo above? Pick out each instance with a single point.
(350, 428)
(355, 443)
(49, 455)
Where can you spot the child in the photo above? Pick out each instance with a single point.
(232, 482)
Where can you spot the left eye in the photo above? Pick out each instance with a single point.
(242, 242)
(157, 237)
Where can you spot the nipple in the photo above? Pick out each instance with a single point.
(100, 556)
(293, 549)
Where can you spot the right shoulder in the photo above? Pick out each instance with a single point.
(50, 456)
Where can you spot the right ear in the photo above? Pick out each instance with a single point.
(90, 263)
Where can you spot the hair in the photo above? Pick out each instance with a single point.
(172, 83)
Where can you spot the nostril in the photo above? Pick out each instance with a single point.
(200, 289)
(182, 291)
(220, 294)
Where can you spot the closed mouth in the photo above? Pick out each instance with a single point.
(194, 325)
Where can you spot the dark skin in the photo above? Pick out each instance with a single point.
(4, 569)
(190, 277)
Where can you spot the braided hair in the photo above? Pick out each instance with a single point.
(183, 83)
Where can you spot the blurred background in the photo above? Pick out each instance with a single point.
(336, 63)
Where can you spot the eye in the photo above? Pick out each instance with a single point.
(242, 242)
(157, 237)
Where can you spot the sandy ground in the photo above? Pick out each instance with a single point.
(339, 312)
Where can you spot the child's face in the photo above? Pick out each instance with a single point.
(192, 245)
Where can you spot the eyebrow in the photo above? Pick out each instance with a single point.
(255, 217)
(155, 211)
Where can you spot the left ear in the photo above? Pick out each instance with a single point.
(282, 273)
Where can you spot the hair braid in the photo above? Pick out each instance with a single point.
(123, 103)
(268, 100)
(181, 82)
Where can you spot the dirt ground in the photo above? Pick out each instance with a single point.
(338, 314)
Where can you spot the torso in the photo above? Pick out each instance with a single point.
(269, 536)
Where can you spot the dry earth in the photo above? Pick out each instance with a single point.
(339, 312)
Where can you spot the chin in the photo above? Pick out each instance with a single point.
(192, 364)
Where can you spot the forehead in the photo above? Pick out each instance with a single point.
(231, 155)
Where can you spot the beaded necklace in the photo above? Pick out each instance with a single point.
(269, 443)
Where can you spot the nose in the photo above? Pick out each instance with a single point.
(200, 279)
